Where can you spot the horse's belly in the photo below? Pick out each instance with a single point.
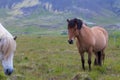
(100, 44)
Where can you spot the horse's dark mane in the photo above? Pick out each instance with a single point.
(71, 23)
(75, 21)
(79, 23)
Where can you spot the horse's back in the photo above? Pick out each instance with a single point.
(101, 37)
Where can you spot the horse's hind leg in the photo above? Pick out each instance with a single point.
(99, 58)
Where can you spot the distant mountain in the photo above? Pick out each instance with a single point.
(51, 14)
(95, 6)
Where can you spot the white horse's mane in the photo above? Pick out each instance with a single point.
(7, 43)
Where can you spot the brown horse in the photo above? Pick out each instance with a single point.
(90, 40)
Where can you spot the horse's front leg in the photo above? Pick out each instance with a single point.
(89, 58)
(96, 59)
(82, 60)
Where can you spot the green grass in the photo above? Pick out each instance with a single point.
(52, 58)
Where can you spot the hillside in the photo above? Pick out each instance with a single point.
(33, 16)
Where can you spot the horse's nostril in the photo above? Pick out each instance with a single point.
(8, 71)
(70, 41)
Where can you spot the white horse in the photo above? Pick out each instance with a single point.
(7, 49)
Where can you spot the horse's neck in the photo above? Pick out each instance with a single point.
(84, 34)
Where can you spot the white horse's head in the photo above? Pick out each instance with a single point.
(7, 49)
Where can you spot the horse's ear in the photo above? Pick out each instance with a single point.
(68, 20)
(75, 20)
(15, 37)
(79, 23)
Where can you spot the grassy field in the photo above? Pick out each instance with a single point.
(52, 58)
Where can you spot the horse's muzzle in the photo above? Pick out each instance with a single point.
(8, 71)
(70, 41)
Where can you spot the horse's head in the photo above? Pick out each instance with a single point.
(74, 25)
(8, 47)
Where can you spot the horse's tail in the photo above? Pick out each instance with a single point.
(106, 36)
(105, 33)
(99, 57)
